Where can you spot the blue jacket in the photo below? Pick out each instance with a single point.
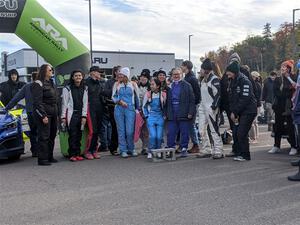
(128, 93)
(186, 104)
(25, 92)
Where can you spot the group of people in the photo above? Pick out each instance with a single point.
(174, 110)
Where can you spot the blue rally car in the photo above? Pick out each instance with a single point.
(11, 137)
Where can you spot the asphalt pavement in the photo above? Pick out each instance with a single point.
(135, 191)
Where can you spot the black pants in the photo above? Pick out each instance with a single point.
(96, 116)
(114, 132)
(46, 137)
(280, 129)
(75, 134)
(240, 136)
(33, 134)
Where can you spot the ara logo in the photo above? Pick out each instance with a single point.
(10, 5)
(49, 29)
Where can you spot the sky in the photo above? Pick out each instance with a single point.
(164, 25)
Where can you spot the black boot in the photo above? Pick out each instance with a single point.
(295, 162)
(113, 152)
(296, 177)
(44, 163)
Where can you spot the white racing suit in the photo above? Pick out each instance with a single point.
(208, 116)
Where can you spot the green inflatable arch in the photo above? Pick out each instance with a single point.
(35, 26)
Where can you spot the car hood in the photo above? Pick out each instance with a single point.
(5, 118)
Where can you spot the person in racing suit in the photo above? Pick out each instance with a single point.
(209, 112)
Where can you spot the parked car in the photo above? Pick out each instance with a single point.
(11, 135)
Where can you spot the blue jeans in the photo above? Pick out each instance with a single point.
(125, 120)
(178, 125)
(105, 131)
(156, 130)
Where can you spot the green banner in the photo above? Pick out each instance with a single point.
(47, 36)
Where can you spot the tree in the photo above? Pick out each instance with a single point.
(265, 52)
(283, 44)
(267, 34)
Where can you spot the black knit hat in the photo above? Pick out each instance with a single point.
(206, 65)
(233, 67)
(145, 73)
(162, 71)
(155, 74)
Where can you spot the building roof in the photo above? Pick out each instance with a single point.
(115, 52)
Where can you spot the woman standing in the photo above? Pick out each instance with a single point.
(162, 77)
(153, 104)
(74, 112)
(125, 95)
(144, 87)
(179, 111)
(282, 106)
(45, 114)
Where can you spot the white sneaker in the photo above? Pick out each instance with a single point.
(159, 155)
(149, 156)
(293, 151)
(274, 150)
(239, 158)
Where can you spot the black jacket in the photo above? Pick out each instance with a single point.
(187, 102)
(224, 90)
(283, 92)
(9, 89)
(241, 96)
(192, 80)
(109, 87)
(256, 92)
(107, 92)
(268, 91)
(95, 94)
(44, 99)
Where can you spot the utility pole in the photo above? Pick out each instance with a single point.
(91, 31)
(294, 33)
(190, 35)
